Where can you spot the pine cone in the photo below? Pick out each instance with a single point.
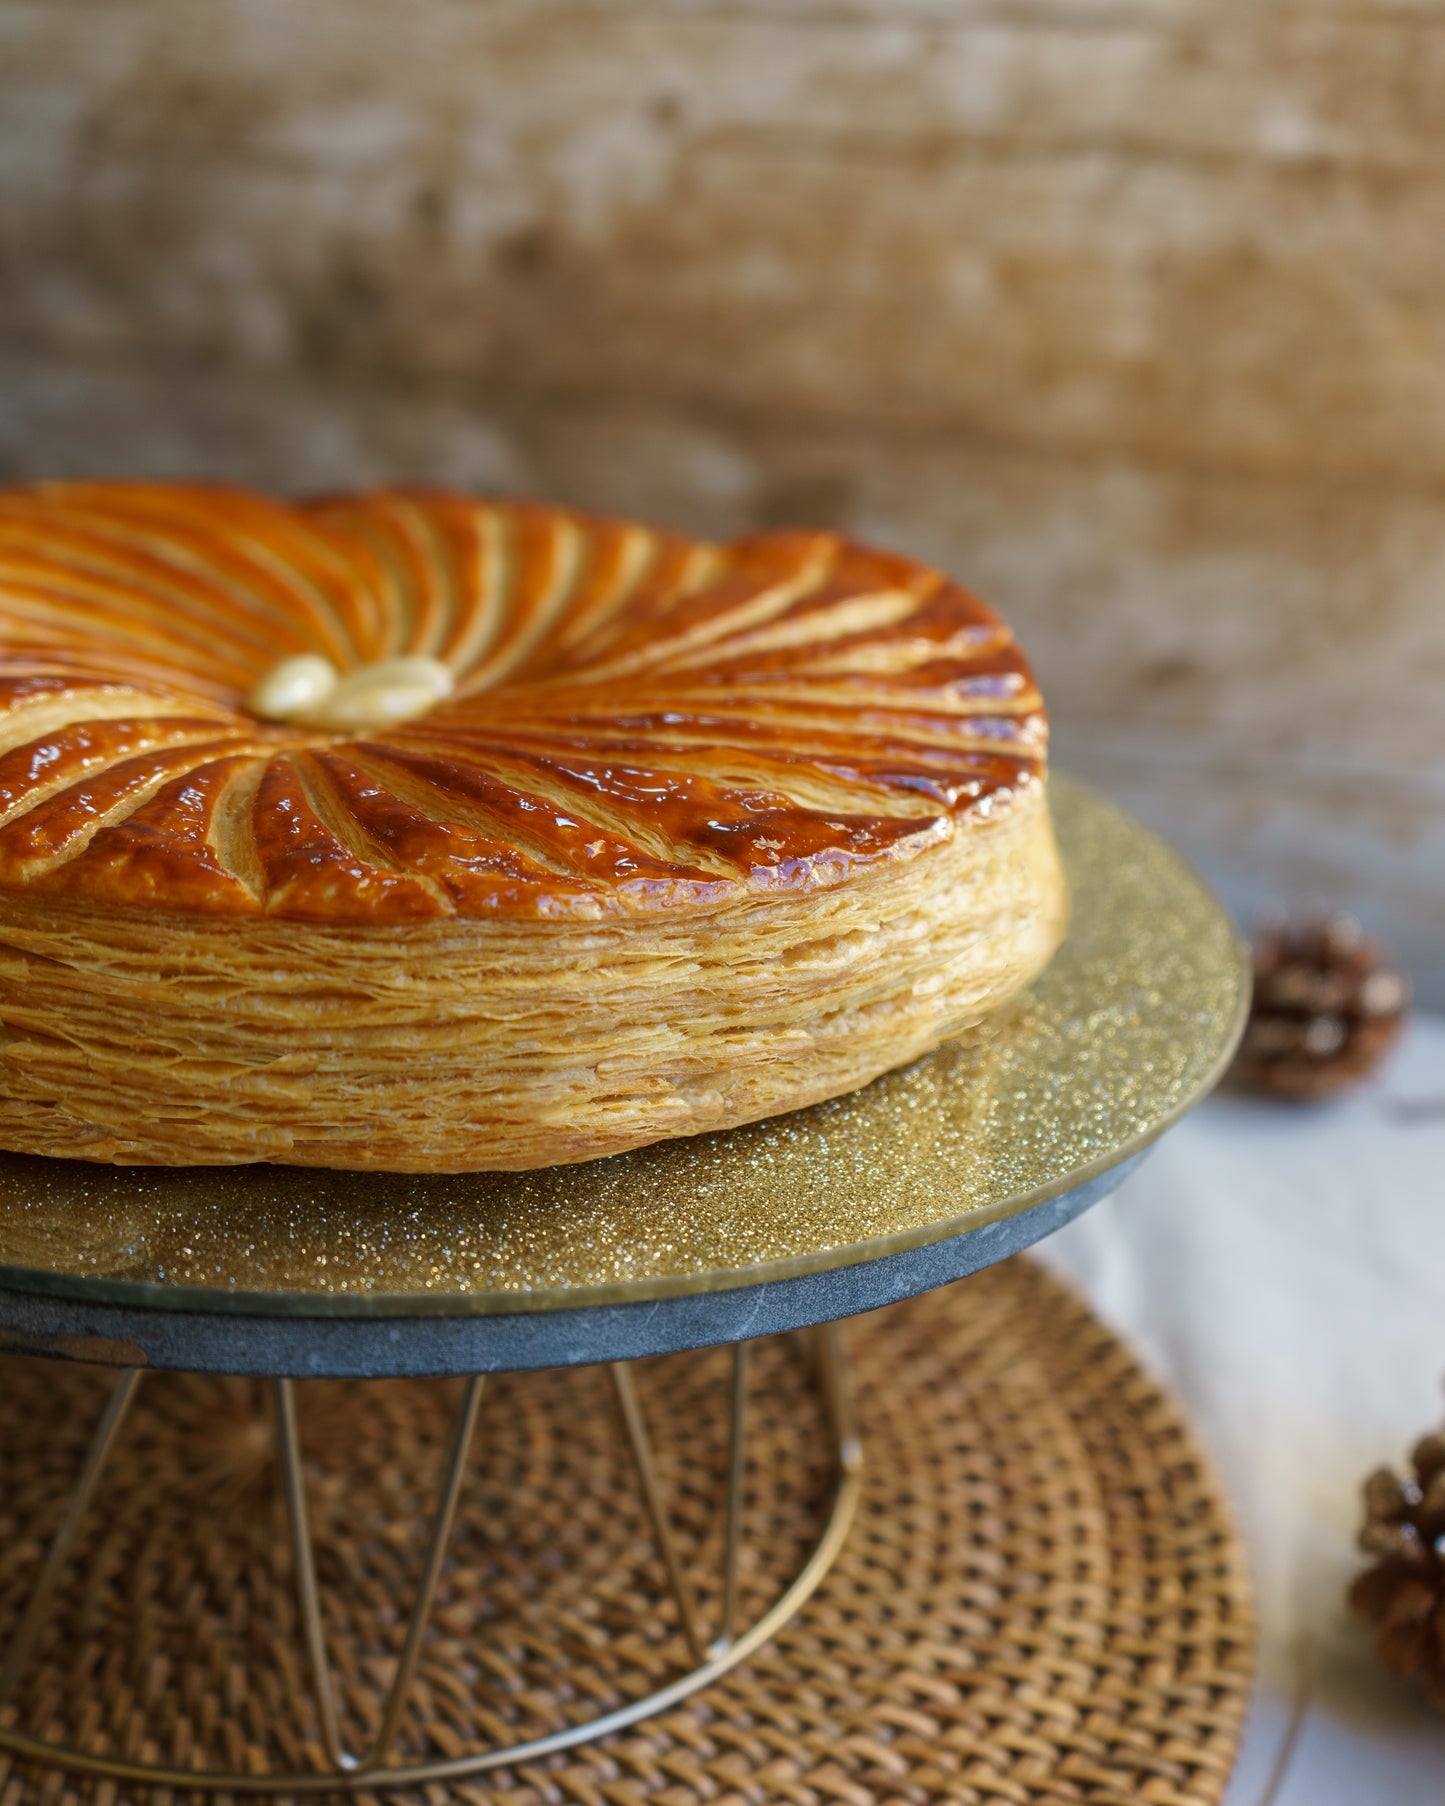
(1328, 1003)
(1403, 1595)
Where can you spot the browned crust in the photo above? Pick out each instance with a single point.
(642, 723)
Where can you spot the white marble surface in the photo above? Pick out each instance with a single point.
(1284, 1272)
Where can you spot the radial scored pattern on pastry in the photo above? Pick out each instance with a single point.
(638, 720)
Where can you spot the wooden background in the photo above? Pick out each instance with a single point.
(1130, 312)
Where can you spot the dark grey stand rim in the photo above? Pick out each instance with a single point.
(386, 1348)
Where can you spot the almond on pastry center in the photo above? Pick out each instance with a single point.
(308, 691)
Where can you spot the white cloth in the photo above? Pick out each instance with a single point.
(1283, 1271)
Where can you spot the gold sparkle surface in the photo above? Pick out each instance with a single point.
(1132, 1024)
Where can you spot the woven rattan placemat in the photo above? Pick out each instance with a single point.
(1042, 1598)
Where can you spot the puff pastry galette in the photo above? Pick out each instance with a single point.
(412, 832)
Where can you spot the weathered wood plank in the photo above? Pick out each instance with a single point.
(1208, 243)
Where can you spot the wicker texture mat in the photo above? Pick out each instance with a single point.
(1042, 1599)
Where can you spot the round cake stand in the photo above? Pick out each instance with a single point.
(786, 1226)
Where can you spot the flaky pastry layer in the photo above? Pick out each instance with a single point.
(446, 1046)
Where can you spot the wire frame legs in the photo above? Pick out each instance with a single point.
(713, 1648)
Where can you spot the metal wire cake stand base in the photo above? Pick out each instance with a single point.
(712, 1656)
(778, 1229)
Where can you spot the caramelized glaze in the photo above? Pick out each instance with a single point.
(639, 722)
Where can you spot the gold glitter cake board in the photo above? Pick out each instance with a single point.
(1132, 1024)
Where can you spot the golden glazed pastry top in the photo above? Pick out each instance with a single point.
(636, 721)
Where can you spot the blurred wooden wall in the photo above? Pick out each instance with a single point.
(1130, 312)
